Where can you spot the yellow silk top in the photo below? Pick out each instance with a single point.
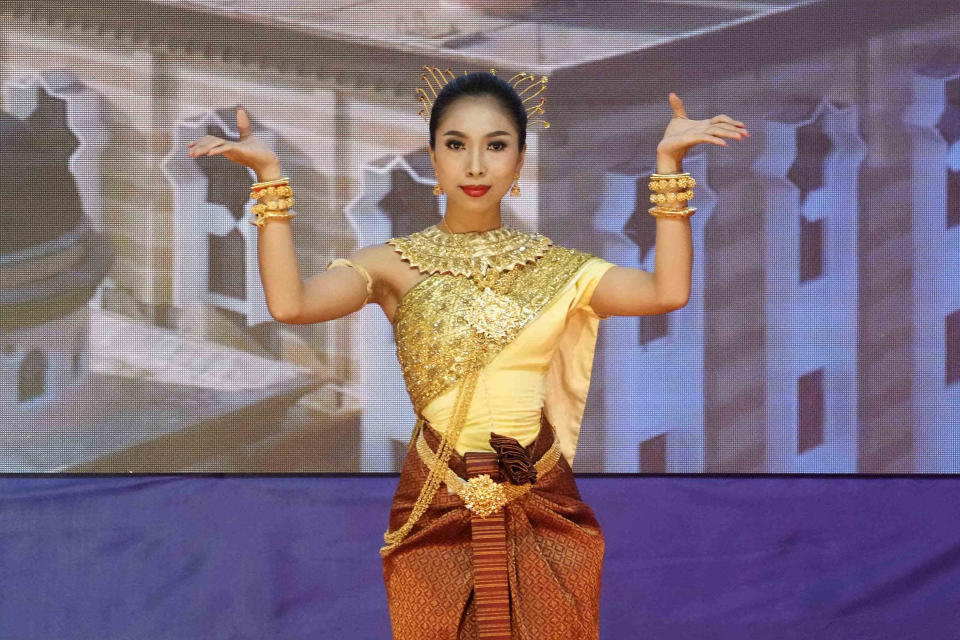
(546, 366)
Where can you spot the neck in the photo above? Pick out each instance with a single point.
(468, 222)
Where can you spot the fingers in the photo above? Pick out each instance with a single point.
(219, 148)
(728, 131)
(243, 122)
(195, 151)
(724, 122)
(679, 111)
(723, 118)
(712, 139)
(204, 145)
(199, 143)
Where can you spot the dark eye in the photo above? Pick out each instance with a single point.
(501, 145)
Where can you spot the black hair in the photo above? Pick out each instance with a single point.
(480, 83)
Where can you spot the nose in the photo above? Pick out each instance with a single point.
(475, 166)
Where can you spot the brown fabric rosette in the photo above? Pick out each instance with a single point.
(515, 461)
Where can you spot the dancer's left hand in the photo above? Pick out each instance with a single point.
(683, 133)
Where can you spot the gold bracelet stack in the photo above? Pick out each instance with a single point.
(671, 189)
(279, 199)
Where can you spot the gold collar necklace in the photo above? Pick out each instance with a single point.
(471, 253)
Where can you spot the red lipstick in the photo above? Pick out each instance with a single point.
(475, 190)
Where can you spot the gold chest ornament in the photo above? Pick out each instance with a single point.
(481, 257)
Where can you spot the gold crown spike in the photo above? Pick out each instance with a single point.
(441, 81)
(541, 85)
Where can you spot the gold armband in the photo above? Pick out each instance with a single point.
(363, 272)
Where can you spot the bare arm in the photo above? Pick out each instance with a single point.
(625, 291)
(329, 295)
(339, 291)
(278, 261)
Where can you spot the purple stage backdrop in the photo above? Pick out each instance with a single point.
(289, 558)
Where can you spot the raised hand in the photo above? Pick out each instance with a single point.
(248, 151)
(683, 133)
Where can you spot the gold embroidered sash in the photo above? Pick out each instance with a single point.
(440, 320)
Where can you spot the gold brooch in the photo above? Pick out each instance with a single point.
(495, 315)
(483, 496)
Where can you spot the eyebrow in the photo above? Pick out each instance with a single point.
(454, 132)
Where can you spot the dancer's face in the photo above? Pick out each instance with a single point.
(484, 150)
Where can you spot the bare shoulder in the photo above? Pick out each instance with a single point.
(382, 258)
(390, 273)
(374, 256)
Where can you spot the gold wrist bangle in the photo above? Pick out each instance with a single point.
(678, 182)
(267, 183)
(261, 219)
(671, 196)
(275, 205)
(662, 212)
(274, 190)
(275, 197)
(270, 190)
(670, 175)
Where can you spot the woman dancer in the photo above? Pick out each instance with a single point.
(495, 330)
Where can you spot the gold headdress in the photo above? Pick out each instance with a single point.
(516, 82)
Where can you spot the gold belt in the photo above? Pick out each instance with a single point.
(481, 494)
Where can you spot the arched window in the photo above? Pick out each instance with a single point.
(32, 378)
(949, 127)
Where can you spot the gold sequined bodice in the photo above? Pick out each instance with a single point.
(443, 319)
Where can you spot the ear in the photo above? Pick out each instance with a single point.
(520, 159)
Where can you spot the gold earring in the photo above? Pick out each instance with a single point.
(515, 191)
(437, 189)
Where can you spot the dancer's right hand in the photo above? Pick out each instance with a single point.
(248, 151)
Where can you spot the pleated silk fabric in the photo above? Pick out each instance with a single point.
(549, 362)
(554, 547)
(491, 591)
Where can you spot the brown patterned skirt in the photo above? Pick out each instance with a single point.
(554, 548)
